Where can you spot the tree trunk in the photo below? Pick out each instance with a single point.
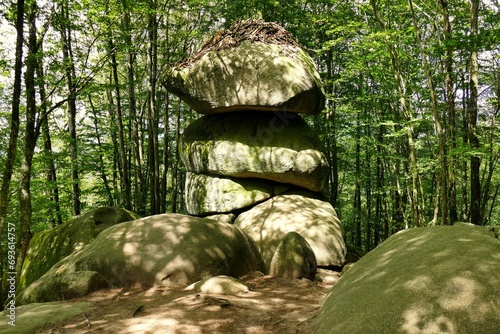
(30, 137)
(53, 188)
(401, 86)
(102, 168)
(475, 162)
(134, 119)
(114, 139)
(464, 208)
(67, 52)
(14, 134)
(165, 160)
(450, 103)
(437, 122)
(154, 170)
(175, 171)
(332, 136)
(368, 189)
(379, 185)
(357, 191)
(124, 166)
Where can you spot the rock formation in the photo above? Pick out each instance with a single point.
(252, 154)
(254, 166)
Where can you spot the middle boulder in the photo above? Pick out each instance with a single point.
(255, 145)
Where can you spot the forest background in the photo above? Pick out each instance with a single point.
(409, 128)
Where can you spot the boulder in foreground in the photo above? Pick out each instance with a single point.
(49, 247)
(167, 249)
(440, 279)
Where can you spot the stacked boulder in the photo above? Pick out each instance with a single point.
(252, 154)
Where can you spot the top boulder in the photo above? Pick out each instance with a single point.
(254, 65)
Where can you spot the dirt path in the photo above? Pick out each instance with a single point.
(272, 306)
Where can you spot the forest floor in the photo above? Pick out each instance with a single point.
(272, 306)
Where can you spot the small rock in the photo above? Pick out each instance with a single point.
(224, 285)
(294, 258)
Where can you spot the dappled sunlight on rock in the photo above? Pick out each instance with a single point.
(420, 320)
(315, 220)
(49, 247)
(251, 75)
(276, 147)
(168, 249)
(420, 284)
(459, 293)
(448, 284)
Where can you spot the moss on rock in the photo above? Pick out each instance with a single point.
(207, 194)
(251, 75)
(30, 318)
(294, 258)
(278, 147)
(439, 279)
(168, 249)
(49, 247)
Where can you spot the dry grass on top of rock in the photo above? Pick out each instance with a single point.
(247, 30)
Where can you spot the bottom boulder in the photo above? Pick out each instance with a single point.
(167, 249)
(298, 211)
(439, 279)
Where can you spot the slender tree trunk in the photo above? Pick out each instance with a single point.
(405, 108)
(154, 170)
(175, 180)
(134, 119)
(67, 52)
(492, 163)
(30, 137)
(368, 189)
(332, 138)
(357, 191)
(379, 185)
(475, 162)
(114, 139)
(102, 168)
(14, 134)
(437, 122)
(53, 188)
(450, 103)
(124, 165)
(464, 208)
(165, 160)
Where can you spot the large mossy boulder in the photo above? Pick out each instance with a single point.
(296, 211)
(167, 249)
(441, 279)
(206, 194)
(254, 65)
(256, 145)
(49, 247)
